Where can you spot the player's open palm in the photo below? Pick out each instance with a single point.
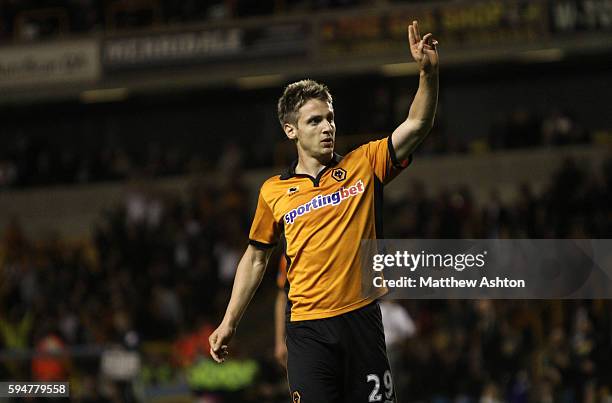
(424, 50)
(218, 340)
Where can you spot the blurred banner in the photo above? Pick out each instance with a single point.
(49, 63)
(205, 46)
(488, 268)
(581, 15)
(353, 40)
(493, 28)
(454, 24)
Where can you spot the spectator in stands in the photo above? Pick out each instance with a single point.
(558, 128)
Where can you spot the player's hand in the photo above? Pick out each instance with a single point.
(218, 340)
(424, 50)
(280, 354)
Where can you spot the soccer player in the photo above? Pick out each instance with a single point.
(325, 204)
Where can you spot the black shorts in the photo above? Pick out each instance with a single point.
(340, 359)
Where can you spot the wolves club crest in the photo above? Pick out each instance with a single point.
(338, 174)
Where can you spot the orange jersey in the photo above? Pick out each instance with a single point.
(324, 220)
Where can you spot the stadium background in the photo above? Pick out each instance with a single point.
(134, 135)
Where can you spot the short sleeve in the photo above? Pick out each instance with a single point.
(264, 229)
(382, 159)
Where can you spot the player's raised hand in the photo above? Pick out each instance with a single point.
(218, 340)
(424, 50)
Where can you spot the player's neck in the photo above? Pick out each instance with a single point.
(309, 165)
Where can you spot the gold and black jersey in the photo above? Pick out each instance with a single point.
(324, 220)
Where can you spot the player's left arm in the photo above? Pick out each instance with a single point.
(408, 135)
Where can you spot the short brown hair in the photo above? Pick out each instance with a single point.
(296, 95)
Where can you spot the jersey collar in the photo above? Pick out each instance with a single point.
(289, 172)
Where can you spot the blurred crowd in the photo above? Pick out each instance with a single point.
(35, 156)
(575, 205)
(33, 20)
(526, 128)
(34, 160)
(520, 128)
(508, 351)
(160, 267)
(155, 270)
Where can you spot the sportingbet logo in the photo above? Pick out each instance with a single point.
(324, 201)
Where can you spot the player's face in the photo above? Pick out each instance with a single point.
(316, 130)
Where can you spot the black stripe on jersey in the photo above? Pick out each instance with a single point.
(288, 305)
(378, 207)
(261, 245)
(396, 163)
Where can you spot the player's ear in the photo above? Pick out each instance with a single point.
(290, 131)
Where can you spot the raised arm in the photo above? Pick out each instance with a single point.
(408, 135)
(249, 273)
